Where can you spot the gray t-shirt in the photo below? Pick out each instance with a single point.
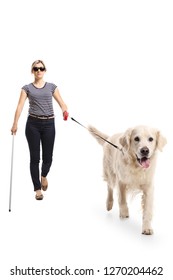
(40, 99)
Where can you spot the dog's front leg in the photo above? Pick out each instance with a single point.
(147, 204)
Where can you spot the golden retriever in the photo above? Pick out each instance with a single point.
(131, 167)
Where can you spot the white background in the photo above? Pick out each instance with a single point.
(113, 64)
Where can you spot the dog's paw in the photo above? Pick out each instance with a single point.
(124, 212)
(147, 231)
(124, 216)
(109, 204)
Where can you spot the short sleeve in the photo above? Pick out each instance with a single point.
(53, 88)
(26, 89)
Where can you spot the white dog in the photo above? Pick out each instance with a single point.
(131, 167)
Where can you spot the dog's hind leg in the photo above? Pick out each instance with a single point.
(111, 180)
(110, 177)
(110, 199)
(123, 208)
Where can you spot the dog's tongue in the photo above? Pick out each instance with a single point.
(145, 162)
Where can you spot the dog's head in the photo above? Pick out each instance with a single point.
(141, 143)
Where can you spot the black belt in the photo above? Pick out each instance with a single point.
(42, 117)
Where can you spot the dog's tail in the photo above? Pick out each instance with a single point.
(98, 135)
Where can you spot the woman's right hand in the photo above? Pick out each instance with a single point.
(14, 129)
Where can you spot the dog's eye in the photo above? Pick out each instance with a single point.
(137, 139)
(150, 139)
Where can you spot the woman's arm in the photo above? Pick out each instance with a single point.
(60, 101)
(23, 97)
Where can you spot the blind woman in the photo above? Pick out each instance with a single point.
(40, 124)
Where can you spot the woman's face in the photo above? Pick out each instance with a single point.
(38, 70)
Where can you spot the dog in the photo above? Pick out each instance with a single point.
(130, 166)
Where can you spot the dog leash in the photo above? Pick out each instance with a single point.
(115, 146)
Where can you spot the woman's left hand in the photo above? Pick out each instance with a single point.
(65, 115)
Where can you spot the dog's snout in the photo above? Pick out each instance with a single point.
(144, 151)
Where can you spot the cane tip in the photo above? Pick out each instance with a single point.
(9, 210)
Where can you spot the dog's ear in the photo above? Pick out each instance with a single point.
(161, 141)
(125, 139)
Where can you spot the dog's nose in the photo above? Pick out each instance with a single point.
(144, 151)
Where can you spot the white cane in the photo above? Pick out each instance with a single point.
(11, 175)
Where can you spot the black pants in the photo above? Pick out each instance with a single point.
(40, 133)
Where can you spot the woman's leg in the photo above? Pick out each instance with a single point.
(33, 137)
(47, 140)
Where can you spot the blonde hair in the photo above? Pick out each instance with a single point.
(36, 62)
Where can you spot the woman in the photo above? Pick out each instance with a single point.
(40, 127)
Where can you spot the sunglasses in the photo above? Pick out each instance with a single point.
(39, 68)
